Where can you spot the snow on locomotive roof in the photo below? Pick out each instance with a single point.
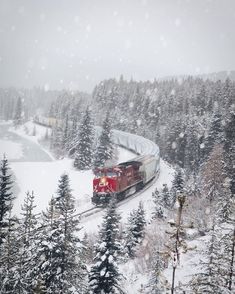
(137, 160)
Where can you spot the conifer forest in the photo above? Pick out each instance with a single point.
(117, 147)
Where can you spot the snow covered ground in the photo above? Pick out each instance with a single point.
(13, 150)
(166, 176)
(42, 178)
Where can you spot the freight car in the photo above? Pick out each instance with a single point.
(123, 179)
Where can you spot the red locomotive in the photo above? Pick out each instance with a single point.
(123, 179)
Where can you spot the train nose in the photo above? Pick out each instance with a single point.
(103, 181)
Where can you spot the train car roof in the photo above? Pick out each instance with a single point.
(130, 162)
(137, 160)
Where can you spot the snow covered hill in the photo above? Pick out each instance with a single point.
(42, 178)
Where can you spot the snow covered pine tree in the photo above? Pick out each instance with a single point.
(104, 275)
(6, 195)
(105, 149)
(61, 268)
(84, 149)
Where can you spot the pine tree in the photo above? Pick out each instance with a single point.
(209, 280)
(215, 135)
(84, 149)
(6, 195)
(73, 135)
(24, 273)
(225, 219)
(157, 265)
(212, 174)
(105, 149)
(61, 267)
(135, 230)
(229, 147)
(9, 253)
(225, 206)
(177, 187)
(158, 205)
(18, 117)
(65, 136)
(47, 241)
(192, 159)
(56, 140)
(104, 275)
(166, 196)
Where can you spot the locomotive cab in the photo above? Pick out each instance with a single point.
(105, 184)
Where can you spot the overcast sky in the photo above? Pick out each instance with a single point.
(75, 44)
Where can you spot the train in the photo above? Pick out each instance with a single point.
(124, 179)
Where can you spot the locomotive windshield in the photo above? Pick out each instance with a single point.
(99, 174)
(111, 174)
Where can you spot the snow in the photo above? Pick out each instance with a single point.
(91, 223)
(42, 178)
(189, 261)
(27, 130)
(12, 149)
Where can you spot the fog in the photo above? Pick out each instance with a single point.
(75, 44)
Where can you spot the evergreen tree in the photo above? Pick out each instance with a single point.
(225, 219)
(56, 140)
(157, 265)
(192, 159)
(212, 174)
(18, 117)
(177, 187)
(47, 238)
(181, 148)
(24, 273)
(215, 135)
(72, 136)
(158, 205)
(166, 196)
(228, 94)
(9, 253)
(178, 181)
(212, 277)
(135, 230)
(229, 147)
(65, 135)
(6, 195)
(104, 275)
(61, 268)
(84, 149)
(225, 206)
(105, 149)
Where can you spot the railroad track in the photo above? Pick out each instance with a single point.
(93, 210)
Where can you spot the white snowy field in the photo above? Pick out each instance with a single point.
(31, 131)
(91, 223)
(43, 177)
(34, 133)
(12, 149)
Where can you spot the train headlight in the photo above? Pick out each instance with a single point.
(103, 181)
